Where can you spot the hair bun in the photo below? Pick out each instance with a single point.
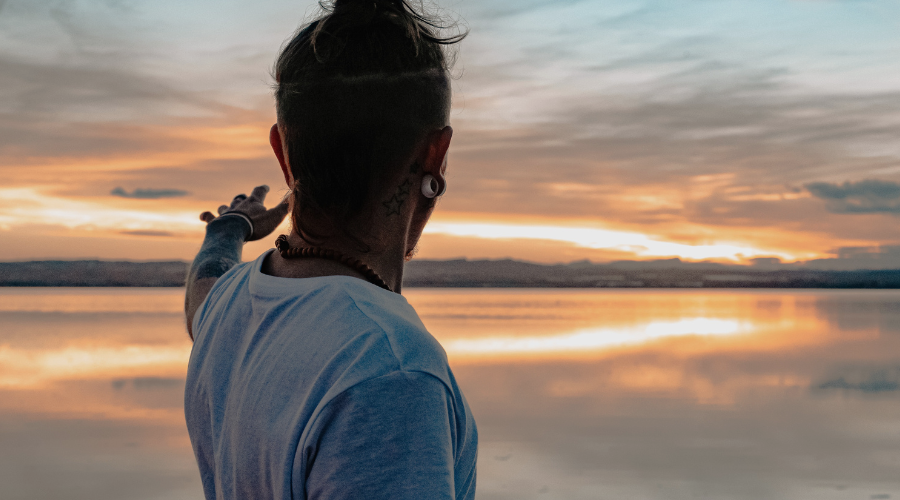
(370, 5)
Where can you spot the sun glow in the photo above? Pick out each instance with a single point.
(639, 244)
(27, 206)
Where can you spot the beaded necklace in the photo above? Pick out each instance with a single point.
(287, 252)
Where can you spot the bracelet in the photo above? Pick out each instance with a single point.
(242, 216)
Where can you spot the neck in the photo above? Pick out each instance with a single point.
(386, 261)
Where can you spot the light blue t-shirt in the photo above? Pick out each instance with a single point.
(323, 389)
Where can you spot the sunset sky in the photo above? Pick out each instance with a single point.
(602, 130)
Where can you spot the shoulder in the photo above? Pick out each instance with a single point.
(222, 292)
(372, 333)
(414, 348)
(232, 279)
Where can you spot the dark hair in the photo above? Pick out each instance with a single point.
(357, 89)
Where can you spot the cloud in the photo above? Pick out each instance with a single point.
(850, 258)
(86, 111)
(148, 233)
(716, 120)
(149, 194)
(870, 196)
(874, 382)
(638, 125)
(563, 110)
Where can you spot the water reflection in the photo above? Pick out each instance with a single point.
(592, 339)
(578, 393)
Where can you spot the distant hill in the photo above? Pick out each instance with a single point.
(92, 273)
(632, 274)
(482, 273)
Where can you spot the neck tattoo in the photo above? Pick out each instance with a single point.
(287, 252)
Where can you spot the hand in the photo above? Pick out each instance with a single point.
(264, 221)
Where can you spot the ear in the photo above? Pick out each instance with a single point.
(278, 148)
(435, 161)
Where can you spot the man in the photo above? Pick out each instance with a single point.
(311, 376)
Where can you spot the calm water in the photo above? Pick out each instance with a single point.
(633, 394)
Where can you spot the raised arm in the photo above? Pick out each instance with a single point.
(246, 219)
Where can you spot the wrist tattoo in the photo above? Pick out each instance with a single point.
(214, 266)
(221, 249)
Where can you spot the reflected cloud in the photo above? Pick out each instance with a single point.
(596, 338)
(697, 399)
(91, 300)
(20, 368)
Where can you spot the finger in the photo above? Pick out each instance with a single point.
(267, 222)
(284, 205)
(223, 209)
(207, 216)
(237, 199)
(279, 211)
(259, 193)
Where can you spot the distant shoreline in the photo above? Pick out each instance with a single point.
(479, 274)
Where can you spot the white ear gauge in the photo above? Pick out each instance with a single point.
(430, 186)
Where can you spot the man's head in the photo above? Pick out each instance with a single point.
(361, 94)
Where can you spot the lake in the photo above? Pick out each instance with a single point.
(578, 394)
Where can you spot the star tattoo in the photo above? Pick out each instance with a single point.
(393, 205)
(395, 202)
(403, 189)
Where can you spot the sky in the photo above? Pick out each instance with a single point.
(726, 130)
